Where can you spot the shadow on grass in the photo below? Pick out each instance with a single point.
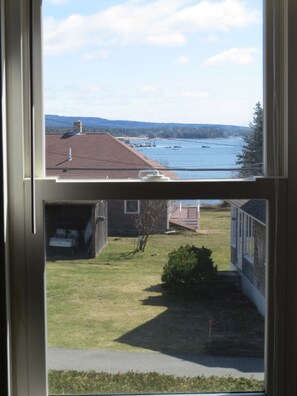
(183, 328)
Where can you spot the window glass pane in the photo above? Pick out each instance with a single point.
(131, 206)
(153, 84)
(155, 302)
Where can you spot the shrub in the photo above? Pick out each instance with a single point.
(189, 269)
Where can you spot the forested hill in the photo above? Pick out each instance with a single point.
(55, 123)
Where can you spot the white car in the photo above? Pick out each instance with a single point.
(64, 238)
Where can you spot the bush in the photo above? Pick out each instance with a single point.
(189, 269)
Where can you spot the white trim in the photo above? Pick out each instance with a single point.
(253, 294)
(234, 214)
(249, 238)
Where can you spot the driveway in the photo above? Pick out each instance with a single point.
(178, 364)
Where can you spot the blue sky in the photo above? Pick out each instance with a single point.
(185, 61)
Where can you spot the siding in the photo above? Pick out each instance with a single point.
(260, 257)
(121, 224)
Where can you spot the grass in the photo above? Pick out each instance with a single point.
(216, 224)
(115, 301)
(73, 382)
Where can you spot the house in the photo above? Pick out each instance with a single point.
(248, 247)
(95, 155)
(76, 155)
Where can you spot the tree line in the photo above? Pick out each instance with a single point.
(173, 132)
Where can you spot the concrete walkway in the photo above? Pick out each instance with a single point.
(178, 364)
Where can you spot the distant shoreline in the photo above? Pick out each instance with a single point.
(171, 138)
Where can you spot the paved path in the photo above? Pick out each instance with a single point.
(178, 364)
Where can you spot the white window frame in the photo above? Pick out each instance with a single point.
(234, 215)
(249, 238)
(126, 211)
(25, 250)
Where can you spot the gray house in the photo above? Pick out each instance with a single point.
(248, 247)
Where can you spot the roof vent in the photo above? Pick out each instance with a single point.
(70, 155)
(152, 175)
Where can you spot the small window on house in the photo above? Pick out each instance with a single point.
(132, 206)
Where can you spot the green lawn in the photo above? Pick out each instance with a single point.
(115, 301)
(73, 382)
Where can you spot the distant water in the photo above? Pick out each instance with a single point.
(190, 154)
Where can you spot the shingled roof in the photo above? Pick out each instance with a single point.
(95, 155)
(256, 208)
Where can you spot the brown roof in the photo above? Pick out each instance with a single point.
(95, 155)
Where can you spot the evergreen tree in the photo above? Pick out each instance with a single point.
(251, 157)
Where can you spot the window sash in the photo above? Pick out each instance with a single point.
(55, 190)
